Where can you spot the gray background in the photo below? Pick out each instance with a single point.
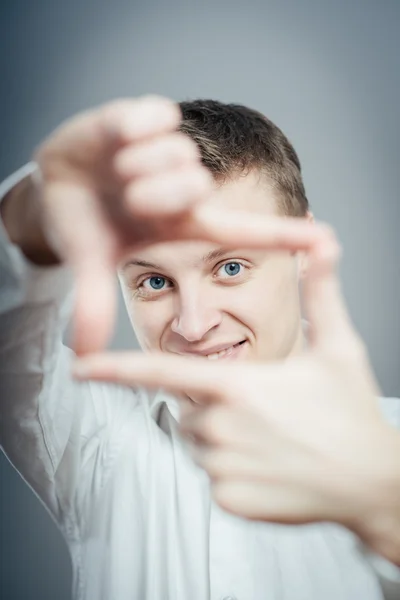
(327, 72)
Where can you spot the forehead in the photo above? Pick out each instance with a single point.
(251, 193)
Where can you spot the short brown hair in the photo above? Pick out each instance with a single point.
(234, 139)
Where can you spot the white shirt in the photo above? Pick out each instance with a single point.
(108, 463)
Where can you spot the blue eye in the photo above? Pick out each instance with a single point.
(231, 269)
(156, 282)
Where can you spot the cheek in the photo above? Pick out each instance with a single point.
(244, 303)
(274, 295)
(149, 320)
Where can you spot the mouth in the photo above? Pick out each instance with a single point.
(218, 352)
(227, 352)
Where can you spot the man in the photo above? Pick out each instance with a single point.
(118, 187)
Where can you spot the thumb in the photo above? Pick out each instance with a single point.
(323, 299)
(80, 235)
(95, 305)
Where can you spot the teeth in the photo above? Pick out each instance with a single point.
(218, 355)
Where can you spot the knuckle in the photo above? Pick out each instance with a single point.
(331, 238)
(185, 146)
(117, 106)
(219, 463)
(197, 180)
(156, 99)
(214, 425)
(224, 495)
(123, 161)
(213, 462)
(161, 103)
(207, 461)
(205, 179)
(137, 192)
(168, 190)
(138, 118)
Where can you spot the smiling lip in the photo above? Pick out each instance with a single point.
(212, 349)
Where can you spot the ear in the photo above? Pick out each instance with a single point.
(302, 257)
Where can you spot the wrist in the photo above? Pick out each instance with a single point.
(377, 522)
(21, 215)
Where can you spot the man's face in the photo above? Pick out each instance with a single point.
(198, 298)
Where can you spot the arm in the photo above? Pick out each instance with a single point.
(293, 442)
(102, 194)
(387, 572)
(46, 417)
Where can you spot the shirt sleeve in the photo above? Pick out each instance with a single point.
(388, 573)
(51, 425)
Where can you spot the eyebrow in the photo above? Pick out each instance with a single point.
(141, 263)
(211, 256)
(214, 255)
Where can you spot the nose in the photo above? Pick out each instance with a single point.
(195, 317)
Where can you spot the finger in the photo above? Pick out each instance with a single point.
(155, 156)
(254, 231)
(330, 325)
(268, 501)
(169, 192)
(229, 463)
(175, 374)
(81, 239)
(95, 305)
(329, 321)
(212, 425)
(222, 425)
(132, 120)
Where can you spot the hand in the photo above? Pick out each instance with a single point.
(113, 179)
(293, 442)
